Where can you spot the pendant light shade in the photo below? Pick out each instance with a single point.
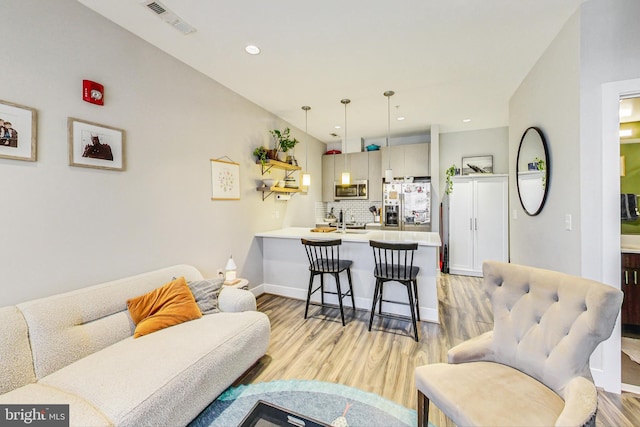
(346, 176)
(306, 176)
(388, 173)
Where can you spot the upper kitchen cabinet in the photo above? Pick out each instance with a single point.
(362, 166)
(358, 165)
(416, 160)
(407, 160)
(328, 178)
(375, 175)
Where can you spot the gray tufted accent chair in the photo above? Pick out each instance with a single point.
(533, 368)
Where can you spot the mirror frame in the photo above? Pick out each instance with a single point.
(547, 169)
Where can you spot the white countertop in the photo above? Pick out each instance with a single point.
(630, 243)
(358, 236)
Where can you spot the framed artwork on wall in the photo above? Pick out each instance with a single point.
(225, 180)
(477, 164)
(17, 132)
(92, 145)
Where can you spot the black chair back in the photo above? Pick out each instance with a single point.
(323, 255)
(394, 261)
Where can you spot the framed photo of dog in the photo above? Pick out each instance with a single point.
(17, 132)
(92, 145)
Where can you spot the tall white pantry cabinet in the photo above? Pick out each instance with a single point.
(478, 222)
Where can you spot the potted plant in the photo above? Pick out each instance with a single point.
(261, 154)
(450, 172)
(284, 141)
(539, 163)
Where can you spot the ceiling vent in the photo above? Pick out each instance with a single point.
(168, 16)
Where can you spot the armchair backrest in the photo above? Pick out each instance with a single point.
(546, 323)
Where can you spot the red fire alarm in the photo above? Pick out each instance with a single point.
(93, 92)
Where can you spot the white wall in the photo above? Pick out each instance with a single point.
(610, 38)
(456, 145)
(563, 95)
(64, 227)
(549, 98)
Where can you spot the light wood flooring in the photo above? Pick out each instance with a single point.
(382, 361)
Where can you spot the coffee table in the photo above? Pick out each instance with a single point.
(265, 414)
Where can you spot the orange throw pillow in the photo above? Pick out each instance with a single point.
(166, 306)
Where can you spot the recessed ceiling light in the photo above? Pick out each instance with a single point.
(626, 132)
(337, 127)
(252, 50)
(466, 120)
(401, 118)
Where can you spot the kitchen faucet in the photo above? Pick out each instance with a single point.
(344, 220)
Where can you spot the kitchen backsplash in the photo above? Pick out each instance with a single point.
(358, 209)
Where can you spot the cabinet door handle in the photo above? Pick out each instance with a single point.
(626, 277)
(635, 277)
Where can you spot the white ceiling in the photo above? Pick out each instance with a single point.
(447, 60)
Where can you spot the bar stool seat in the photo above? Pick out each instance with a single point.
(324, 258)
(394, 263)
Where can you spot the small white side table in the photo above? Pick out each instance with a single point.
(242, 284)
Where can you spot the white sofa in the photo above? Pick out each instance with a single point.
(77, 348)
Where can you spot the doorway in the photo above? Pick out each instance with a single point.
(629, 114)
(606, 360)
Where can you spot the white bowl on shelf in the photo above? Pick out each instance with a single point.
(281, 183)
(268, 182)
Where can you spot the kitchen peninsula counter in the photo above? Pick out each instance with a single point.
(286, 268)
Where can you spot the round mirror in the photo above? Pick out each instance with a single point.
(532, 171)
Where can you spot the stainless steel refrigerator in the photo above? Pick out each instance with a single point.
(407, 204)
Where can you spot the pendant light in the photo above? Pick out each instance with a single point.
(388, 174)
(306, 177)
(346, 176)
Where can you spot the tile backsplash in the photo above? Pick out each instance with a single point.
(358, 209)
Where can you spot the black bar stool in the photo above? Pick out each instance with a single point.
(394, 262)
(324, 257)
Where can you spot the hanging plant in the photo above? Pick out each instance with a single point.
(540, 165)
(261, 154)
(450, 172)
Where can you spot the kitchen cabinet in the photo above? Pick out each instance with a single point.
(478, 223)
(362, 165)
(288, 169)
(375, 176)
(357, 165)
(631, 288)
(416, 160)
(407, 160)
(328, 177)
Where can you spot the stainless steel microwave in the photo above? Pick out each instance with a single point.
(355, 190)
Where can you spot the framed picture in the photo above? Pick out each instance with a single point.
(17, 132)
(477, 164)
(92, 145)
(225, 180)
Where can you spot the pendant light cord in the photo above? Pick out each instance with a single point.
(306, 109)
(344, 148)
(389, 94)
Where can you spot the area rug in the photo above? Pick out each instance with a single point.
(316, 399)
(631, 347)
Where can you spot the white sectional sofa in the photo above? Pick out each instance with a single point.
(77, 348)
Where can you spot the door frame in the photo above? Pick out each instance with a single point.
(609, 377)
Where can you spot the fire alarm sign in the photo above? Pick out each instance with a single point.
(93, 92)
